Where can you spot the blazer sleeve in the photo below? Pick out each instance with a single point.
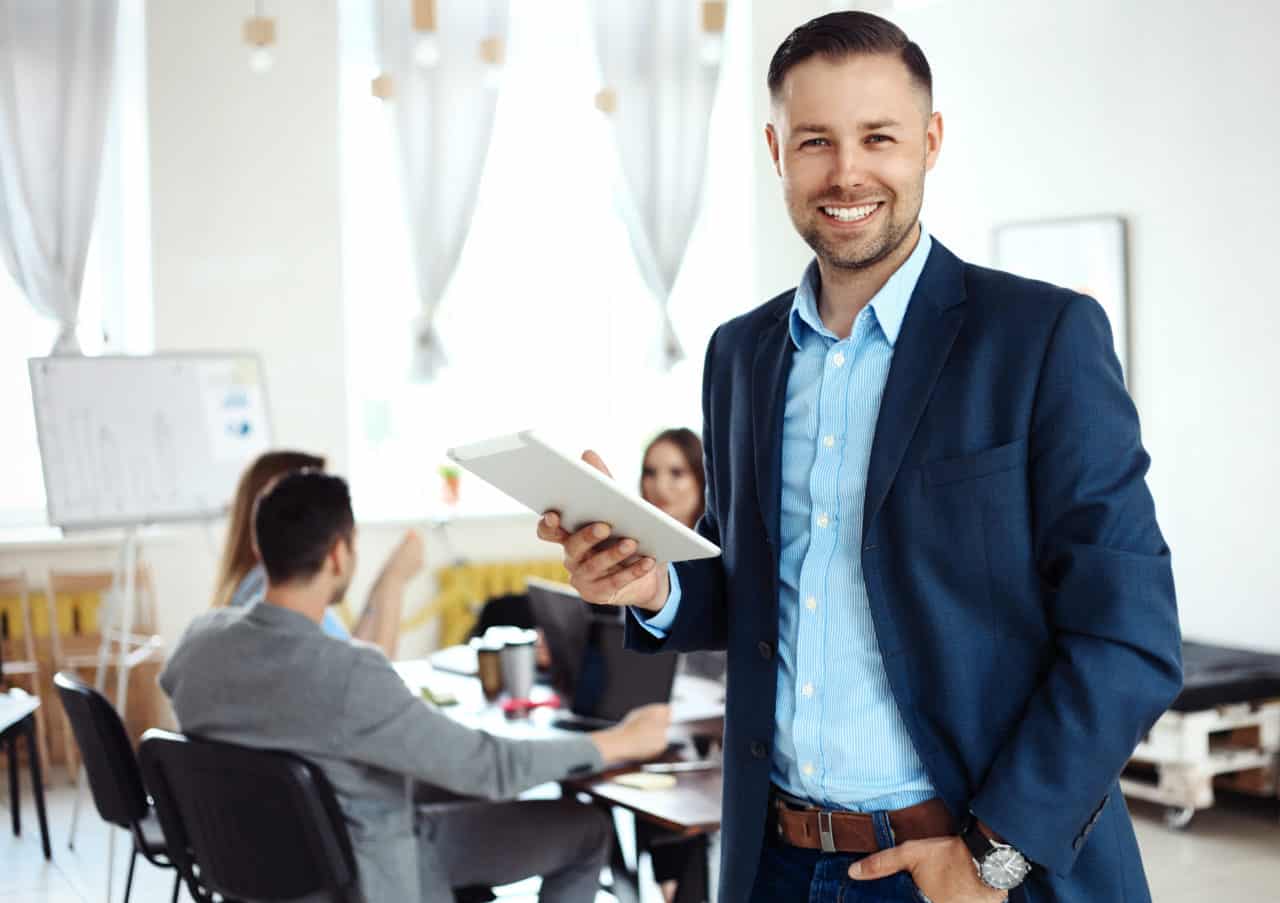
(1109, 597)
(700, 621)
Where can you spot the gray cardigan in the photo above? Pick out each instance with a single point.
(269, 677)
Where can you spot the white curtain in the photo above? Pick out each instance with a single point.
(444, 121)
(662, 85)
(56, 61)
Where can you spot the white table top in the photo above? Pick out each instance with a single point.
(16, 705)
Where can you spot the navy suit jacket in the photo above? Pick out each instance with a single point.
(1020, 588)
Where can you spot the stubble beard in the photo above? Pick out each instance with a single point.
(867, 251)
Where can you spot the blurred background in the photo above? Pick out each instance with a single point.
(513, 216)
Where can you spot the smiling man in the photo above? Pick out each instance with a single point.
(948, 608)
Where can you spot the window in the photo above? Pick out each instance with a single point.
(115, 313)
(547, 323)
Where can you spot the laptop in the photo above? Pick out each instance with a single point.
(590, 667)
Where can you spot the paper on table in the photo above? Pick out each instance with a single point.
(642, 780)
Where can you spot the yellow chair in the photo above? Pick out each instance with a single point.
(461, 590)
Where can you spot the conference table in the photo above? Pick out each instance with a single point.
(690, 808)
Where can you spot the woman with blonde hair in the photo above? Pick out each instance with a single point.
(242, 581)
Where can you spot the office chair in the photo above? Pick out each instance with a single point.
(114, 777)
(250, 824)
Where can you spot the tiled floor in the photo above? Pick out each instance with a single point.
(1230, 854)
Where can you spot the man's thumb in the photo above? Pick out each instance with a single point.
(596, 461)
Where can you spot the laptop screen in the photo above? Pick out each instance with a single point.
(590, 667)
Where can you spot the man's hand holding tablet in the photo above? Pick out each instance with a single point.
(604, 568)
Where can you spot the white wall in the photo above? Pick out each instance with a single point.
(245, 212)
(245, 248)
(1162, 111)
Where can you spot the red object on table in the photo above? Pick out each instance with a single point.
(524, 706)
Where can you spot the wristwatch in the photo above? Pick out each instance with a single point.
(1000, 866)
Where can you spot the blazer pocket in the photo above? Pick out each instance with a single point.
(970, 467)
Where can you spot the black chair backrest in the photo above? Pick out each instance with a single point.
(255, 824)
(108, 755)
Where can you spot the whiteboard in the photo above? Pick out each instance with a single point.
(135, 440)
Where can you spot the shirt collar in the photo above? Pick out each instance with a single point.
(889, 305)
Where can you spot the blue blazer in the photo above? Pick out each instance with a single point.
(1020, 587)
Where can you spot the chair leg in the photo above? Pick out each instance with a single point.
(111, 860)
(37, 786)
(42, 739)
(128, 881)
(177, 883)
(37, 686)
(15, 800)
(69, 752)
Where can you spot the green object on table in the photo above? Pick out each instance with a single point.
(441, 698)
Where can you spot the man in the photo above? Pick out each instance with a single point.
(948, 609)
(268, 676)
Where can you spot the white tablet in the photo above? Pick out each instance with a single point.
(544, 479)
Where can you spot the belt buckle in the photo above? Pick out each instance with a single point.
(825, 832)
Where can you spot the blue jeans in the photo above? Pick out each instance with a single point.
(788, 874)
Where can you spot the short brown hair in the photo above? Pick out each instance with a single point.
(851, 33)
(296, 521)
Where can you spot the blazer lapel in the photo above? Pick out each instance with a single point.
(933, 320)
(771, 367)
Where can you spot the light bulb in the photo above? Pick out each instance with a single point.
(261, 59)
(712, 49)
(426, 52)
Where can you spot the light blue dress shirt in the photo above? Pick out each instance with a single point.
(839, 739)
(253, 589)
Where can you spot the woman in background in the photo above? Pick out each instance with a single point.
(242, 581)
(673, 479)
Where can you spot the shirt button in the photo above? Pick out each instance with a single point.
(766, 651)
(823, 521)
(807, 768)
(807, 690)
(811, 603)
(758, 750)
(838, 359)
(829, 441)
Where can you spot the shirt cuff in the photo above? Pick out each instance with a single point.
(660, 623)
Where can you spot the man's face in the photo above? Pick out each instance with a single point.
(852, 139)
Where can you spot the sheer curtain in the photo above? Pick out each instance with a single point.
(443, 116)
(56, 61)
(547, 318)
(659, 89)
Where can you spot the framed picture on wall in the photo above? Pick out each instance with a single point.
(1086, 254)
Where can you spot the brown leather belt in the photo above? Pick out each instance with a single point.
(852, 832)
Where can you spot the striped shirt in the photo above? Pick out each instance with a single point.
(839, 739)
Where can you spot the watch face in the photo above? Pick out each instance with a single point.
(1004, 868)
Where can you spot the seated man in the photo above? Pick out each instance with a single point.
(267, 676)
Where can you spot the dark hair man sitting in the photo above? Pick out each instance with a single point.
(267, 676)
